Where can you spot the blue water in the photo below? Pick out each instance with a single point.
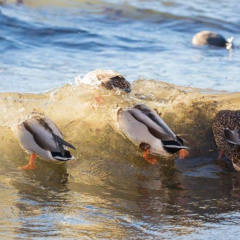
(43, 46)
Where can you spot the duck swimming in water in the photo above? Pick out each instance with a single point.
(211, 39)
(39, 135)
(145, 128)
(226, 131)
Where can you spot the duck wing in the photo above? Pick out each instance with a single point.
(232, 136)
(56, 133)
(155, 129)
(62, 142)
(156, 119)
(46, 134)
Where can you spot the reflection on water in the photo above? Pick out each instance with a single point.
(42, 195)
(160, 201)
(109, 191)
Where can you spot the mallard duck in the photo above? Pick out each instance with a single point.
(39, 135)
(226, 131)
(146, 129)
(212, 39)
(109, 79)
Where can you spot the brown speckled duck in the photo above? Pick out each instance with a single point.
(226, 130)
(108, 79)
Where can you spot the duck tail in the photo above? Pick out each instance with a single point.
(62, 142)
(181, 140)
(174, 146)
(62, 157)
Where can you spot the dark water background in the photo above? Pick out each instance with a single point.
(114, 195)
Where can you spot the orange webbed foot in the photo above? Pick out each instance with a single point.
(221, 162)
(27, 167)
(152, 161)
(183, 153)
(221, 153)
(31, 164)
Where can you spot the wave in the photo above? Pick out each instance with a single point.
(109, 179)
(102, 150)
(168, 15)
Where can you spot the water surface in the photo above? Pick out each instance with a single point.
(109, 191)
(44, 45)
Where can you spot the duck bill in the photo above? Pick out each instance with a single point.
(183, 153)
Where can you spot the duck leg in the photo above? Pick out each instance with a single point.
(220, 161)
(31, 164)
(183, 153)
(221, 153)
(146, 156)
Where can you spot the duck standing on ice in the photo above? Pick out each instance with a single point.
(39, 135)
(146, 129)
